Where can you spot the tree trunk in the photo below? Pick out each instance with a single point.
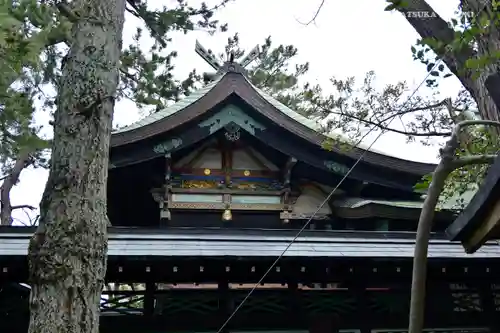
(8, 183)
(68, 253)
(419, 275)
(436, 27)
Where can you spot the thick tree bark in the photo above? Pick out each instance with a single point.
(8, 183)
(436, 27)
(67, 255)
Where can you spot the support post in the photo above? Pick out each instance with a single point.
(287, 175)
(225, 304)
(165, 215)
(296, 313)
(362, 309)
(149, 299)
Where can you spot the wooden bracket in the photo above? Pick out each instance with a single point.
(287, 187)
(164, 211)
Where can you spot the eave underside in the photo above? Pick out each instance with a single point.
(266, 136)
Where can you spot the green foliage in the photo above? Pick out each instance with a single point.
(33, 34)
(21, 46)
(472, 29)
(394, 4)
(463, 182)
(475, 33)
(146, 77)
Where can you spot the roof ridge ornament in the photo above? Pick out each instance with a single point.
(229, 66)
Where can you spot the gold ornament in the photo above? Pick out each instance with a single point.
(206, 172)
(246, 173)
(227, 215)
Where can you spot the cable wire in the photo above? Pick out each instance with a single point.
(322, 204)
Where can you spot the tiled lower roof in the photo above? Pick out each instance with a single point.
(238, 245)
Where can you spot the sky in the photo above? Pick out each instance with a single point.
(348, 38)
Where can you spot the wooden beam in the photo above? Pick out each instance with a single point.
(287, 177)
(165, 215)
(287, 171)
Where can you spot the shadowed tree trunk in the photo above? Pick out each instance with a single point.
(493, 85)
(436, 27)
(67, 255)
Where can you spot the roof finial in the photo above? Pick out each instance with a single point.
(208, 56)
(229, 66)
(251, 56)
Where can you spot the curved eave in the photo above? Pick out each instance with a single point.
(235, 83)
(473, 226)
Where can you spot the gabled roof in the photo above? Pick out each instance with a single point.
(235, 83)
(480, 220)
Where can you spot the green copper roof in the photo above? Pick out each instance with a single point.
(170, 110)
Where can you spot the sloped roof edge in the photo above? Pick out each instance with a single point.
(171, 109)
(216, 92)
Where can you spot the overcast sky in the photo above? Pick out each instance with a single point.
(349, 38)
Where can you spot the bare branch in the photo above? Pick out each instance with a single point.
(23, 207)
(313, 19)
(447, 164)
(380, 123)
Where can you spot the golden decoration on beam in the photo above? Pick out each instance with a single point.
(206, 172)
(227, 215)
(246, 173)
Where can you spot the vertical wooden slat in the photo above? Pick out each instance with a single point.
(149, 299)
